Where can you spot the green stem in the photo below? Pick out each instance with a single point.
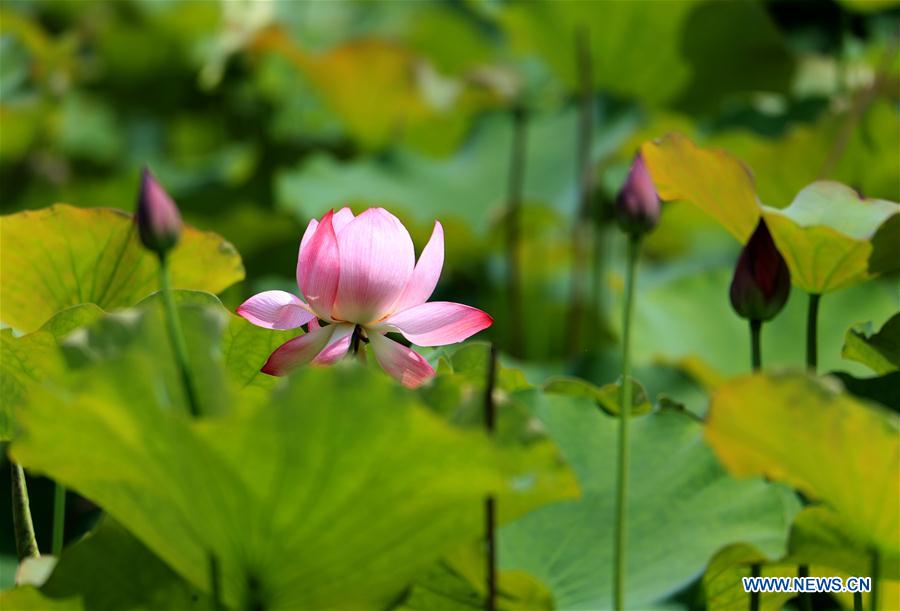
(857, 601)
(876, 570)
(215, 584)
(176, 336)
(755, 571)
(490, 503)
(516, 186)
(619, 552)
(755, 352)
(26, 544)
(804, 598)
(59, 518)
(812, 325)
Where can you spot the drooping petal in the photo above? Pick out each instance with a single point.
(341, 218)
(319, 269)
(307, 236)
(298, 351)
(337, 346)
(376, 262)
(426, 273)
(437, 323)
(404, 364)
(275, 310)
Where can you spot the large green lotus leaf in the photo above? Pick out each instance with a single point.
(832, 447)
(62, 256)
(30, 359)
(422, 188)
(109, 570)
(684, 317)
(711, 179)
(702, 50)
(825, 235)
(879, 351)
(818, 539)
(334, 494)
(683, 507)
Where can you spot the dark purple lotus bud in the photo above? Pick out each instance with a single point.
(637, 205)
(158, 219)
(762, 281)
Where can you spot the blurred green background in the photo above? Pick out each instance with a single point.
(260, 115)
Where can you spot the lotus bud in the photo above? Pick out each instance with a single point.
(637, 205)
(762, 281)
(158, 220)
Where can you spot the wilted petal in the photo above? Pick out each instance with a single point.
(319, 269)
(341, 219)
(337, 346)
(404, 364)
(437, 323)
(376, 262)
(426, 273)
(275, 310)
(298, 351)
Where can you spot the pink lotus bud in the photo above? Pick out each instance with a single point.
(158, 220)
(637, 205)
(762, 281)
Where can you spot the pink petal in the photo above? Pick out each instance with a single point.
(319, 269)
(341, 218)
(337, 346)
(402, 363)
(426, 273)
(307, 236)
(298, 351)
(376, 262)
(275, 310)
(437, 323)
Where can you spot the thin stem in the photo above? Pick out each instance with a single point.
(26, 544)
(513, 231)
(812, 324)
(215, 584)
(490, 503)
(59, 518)
(876, 574)
(619, 552)
(857, 601)
(355, 339)
(804, 598)
(581, 226)
(176, 336)
(755, 571)
(755, 353)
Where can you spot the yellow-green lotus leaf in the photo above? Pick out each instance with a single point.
(61, 256)
(711, 179)
(808, 433)
(825, 235)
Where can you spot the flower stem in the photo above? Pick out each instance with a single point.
(755, 571)
(876, 573)
(582, 226)
(26, 544)
(176, 336)
(490, 503)
(513, 231)
(215, 584)
(756, 363)
(857, 601)
(755, 352)
(59, 518)
(805, 599)
(619, 551)
(812, 324)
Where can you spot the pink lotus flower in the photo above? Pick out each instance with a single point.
(359, 275)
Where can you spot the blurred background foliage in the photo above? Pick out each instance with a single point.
(258, 116)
